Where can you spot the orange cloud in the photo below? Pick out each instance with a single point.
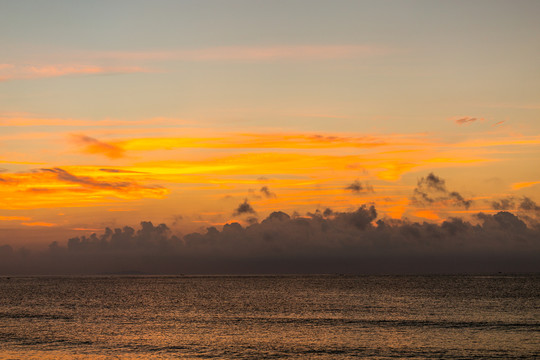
(501, 141)
(94, 146)
(39, 223)
(57, 187)
(524, 184)
(14, 218)
(266, 141)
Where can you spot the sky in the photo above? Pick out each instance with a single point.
(198, 114)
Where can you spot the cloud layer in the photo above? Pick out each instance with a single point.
(321, 242)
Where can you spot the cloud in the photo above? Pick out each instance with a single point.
(432, 189)
(14, 218)
(63, 175)
(39, 223)
(265, 190)
(503, 204)
(267, 141)
(467, 120)
(524, 184)
(15, 71)
(357, 187)
(244, 208)
(355, 241)
(94, 146)
(523, 204)
(60, 187)
(527, 204)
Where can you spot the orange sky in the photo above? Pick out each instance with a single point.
(182, 121)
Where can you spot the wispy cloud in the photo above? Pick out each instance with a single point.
(269, 140)
(87, 181)
(16, 71)
(39, 223)
(94, 146)
(14, 218)
(524, 184)
(58, 187)
(265, 190)
(466, 120)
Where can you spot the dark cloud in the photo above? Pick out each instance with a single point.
(354, 241)
(458, 199)
(266, 192)
(358, 187)
(88, 181)
(361, 218)
(244, 208)
(431, 189)
(527, 204)
(523, 204)
(503, 204)
(85, 180)
(433, 182)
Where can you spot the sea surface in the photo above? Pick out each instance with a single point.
(270, 317)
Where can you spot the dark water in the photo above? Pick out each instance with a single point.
(296, 317)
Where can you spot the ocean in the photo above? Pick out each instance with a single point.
(270, 317)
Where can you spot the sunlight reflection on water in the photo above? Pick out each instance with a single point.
(235, 317)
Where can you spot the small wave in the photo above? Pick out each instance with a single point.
(446, 324)
(35, 316)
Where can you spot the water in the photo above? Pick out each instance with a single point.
(293, 317)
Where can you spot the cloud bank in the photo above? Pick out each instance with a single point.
(321, 242)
